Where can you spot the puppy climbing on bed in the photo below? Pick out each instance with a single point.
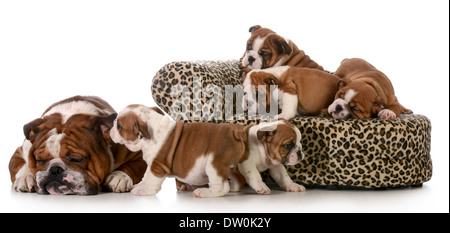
(300, 91)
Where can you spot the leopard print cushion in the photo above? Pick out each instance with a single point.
(363, 153)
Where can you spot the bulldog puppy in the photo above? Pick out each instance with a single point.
(200, 153)
(194, 153)
(364, 92)
(68, 151)
(301, 91)
(267, 49)
(271, 146)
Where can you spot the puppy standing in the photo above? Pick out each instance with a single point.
(193, 153)
(202, 153)
(272, 145)
(302, 91)
(364, 92)
(267, 49)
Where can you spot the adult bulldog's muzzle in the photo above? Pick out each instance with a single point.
(58, 179)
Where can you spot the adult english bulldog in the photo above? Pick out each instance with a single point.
(265, 49)
(200, 153)
(69, 151)
(364, 92)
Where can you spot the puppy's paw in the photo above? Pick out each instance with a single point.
(294, 187)
(324, 113)
(119, 181)
(202, 192)
(387, 114)
(25, 183)
(143, 189)
(285, 116)
(262, 188)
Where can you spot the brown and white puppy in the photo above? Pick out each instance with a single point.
(364, 92)
(271, 146)
(301, 91)
(193, 153)
(267, 49)
(68, 151)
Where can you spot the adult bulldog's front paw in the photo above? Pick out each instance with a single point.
(119, 181)
(25, 183)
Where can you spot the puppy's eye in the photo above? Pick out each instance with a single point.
(119, 127)
(354, 109)
(249, 46)
(264, 54)
(288, 146)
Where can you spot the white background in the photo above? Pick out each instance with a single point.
(51, 50)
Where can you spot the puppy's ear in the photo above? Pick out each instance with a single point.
(343, 82)
(156, 109)
(31, 129)
(254, 28)
(378, 105)
(282, 46)
(141, 129)
(265, 134)
(269, 79)
(105, 124)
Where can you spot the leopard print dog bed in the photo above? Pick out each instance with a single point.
(363, 153)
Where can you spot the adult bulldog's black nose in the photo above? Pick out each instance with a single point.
(251, 60)
(56, 170)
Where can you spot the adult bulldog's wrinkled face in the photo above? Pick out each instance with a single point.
(71, 157)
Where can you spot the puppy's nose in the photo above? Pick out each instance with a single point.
(339, 109)
(251, 60)
(56, 170)
(300, 155)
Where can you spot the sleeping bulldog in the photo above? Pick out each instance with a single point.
(69, 151)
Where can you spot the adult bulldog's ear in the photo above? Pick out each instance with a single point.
(105, 123)
(254, 28)
(31, 129)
